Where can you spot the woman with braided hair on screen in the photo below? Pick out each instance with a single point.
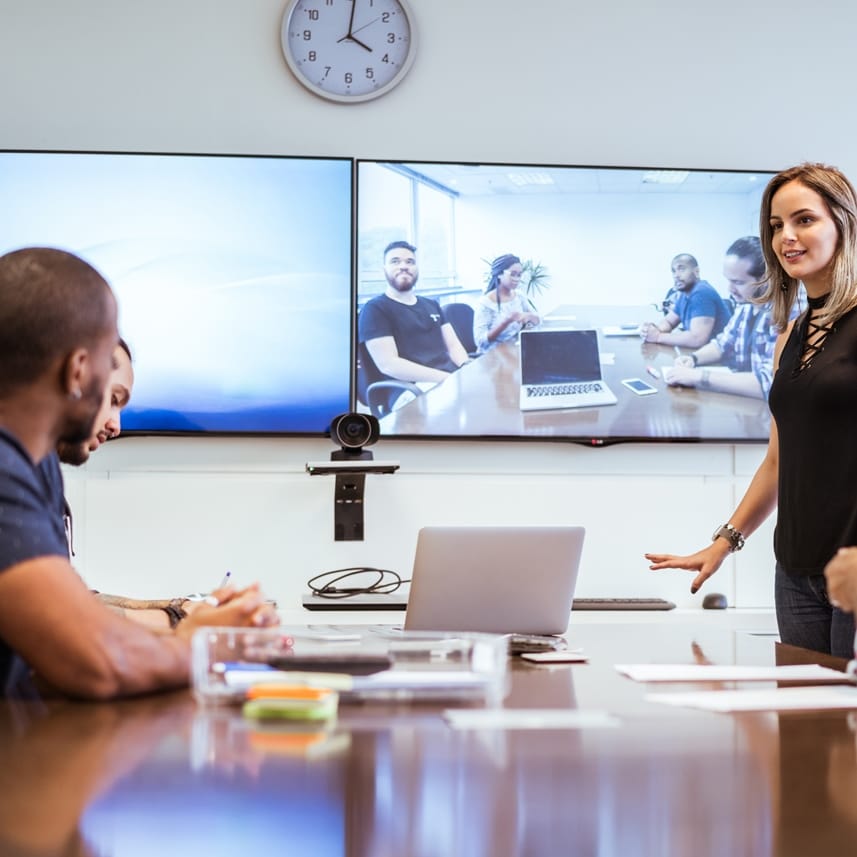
(502, 312)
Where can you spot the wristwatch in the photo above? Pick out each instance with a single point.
(728, 532)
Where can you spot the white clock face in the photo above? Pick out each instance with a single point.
(348, 50)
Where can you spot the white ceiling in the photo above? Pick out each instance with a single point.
(493, 179)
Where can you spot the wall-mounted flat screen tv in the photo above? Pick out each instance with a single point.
(549, 277)
(233, 276)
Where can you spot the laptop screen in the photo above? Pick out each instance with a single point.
(559, 357)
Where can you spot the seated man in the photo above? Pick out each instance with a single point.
(746, 346)
(162, 613)
(406, 335)
(700, 311)
(58, 317)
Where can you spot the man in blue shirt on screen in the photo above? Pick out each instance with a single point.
(698, 309)
(405, 334)
(746, 345)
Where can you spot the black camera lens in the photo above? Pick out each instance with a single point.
(353, 431)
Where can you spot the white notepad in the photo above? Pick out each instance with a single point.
(731, 672)
(777, 699)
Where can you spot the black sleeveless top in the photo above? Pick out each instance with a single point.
(815, 409)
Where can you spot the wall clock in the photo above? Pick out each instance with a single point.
(349, 50)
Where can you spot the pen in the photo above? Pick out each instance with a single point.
(213, 600)
(653, 372)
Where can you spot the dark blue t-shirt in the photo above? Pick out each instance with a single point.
(31, 525)
(702, 300)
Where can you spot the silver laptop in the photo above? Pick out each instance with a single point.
(502, 580)
(562, 369)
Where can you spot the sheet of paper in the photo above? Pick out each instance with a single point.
(621, 330)
(731, 672)
(527, 718)
(716, 369)
(775, 699)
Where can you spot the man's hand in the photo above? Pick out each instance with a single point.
(841, 575)
(681, 376)
(650, 332)
(238, 608)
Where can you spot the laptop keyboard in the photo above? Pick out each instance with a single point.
(576, 389)
(622, 604)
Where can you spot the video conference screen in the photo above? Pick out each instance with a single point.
(232, 273)
(610, 250)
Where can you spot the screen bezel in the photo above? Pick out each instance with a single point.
(348, 328)
(582, 439)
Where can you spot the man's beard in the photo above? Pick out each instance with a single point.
(401, 288)
(78, 429)
(73, 453)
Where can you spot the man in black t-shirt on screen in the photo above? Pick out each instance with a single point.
(407, 335)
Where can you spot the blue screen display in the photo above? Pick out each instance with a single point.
(232, 273)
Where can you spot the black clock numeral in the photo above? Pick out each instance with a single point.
(311, 56)
(391, 38)
(385, 17)
(307, 35)
(349, 77)
(385, 58)
(326, 71)
(312, 14)
(370, 73)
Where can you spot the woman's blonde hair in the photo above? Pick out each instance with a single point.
(839, 196)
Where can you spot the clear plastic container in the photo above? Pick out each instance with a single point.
(360, 663)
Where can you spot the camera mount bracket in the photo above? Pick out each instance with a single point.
(348, 493)
(350, 464)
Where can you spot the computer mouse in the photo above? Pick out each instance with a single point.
(714, 601)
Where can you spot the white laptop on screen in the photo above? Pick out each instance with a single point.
(562, 369)
(502, 580)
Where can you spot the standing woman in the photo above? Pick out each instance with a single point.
(502, 312)
(808, 227)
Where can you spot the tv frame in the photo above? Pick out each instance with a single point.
(345, 395)
(591, 439)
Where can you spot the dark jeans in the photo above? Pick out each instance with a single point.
(806, 617)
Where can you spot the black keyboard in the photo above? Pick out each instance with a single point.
(621, 604)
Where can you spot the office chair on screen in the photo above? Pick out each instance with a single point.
(375, 390)
(460, 316)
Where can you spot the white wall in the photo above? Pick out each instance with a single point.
(728, 85)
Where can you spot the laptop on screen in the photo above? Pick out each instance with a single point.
(502, 580)
(562, 369)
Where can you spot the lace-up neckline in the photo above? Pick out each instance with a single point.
(814, 335)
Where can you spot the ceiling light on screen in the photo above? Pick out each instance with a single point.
(522, 179)
(665, 176)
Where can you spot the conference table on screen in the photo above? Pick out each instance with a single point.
(482, 398)
(165, 775)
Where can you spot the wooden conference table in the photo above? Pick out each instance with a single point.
(161, 776)
(481, 398)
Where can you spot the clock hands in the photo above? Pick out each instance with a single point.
(350, 21)
(366, 25)
(349, 36)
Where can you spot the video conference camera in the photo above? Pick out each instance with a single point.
(352, 432)
(350, 464)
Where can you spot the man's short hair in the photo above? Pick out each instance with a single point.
(750, 247)
(691, 259)
(395, 245)
(51, 302)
